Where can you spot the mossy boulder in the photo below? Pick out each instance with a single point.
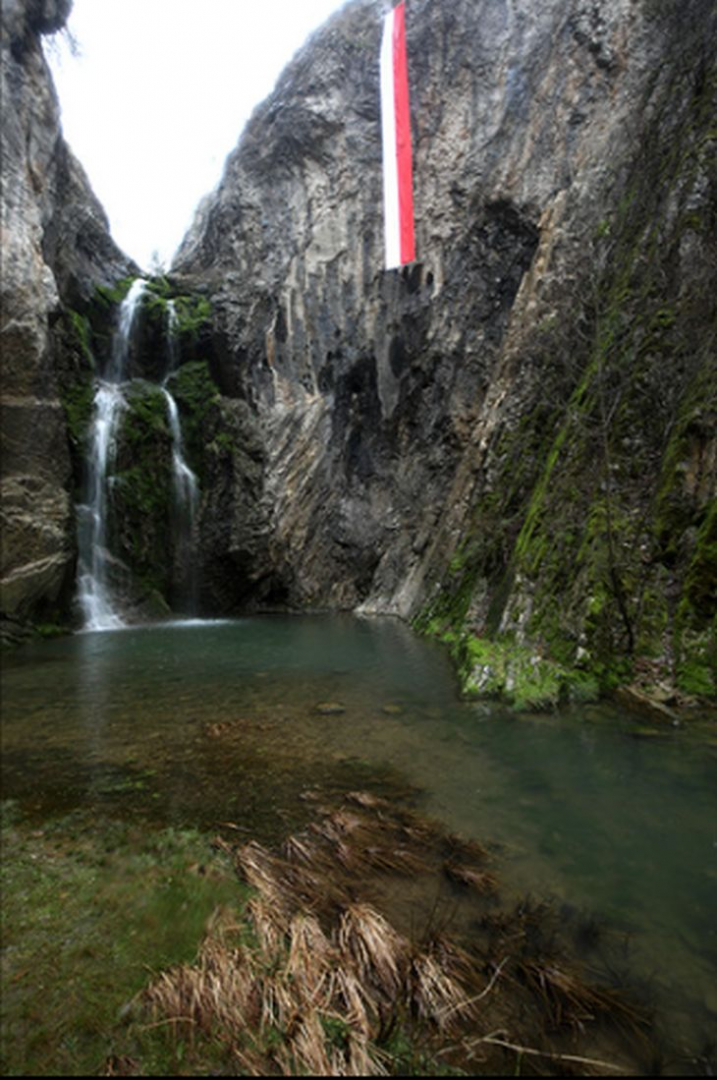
(141, 489)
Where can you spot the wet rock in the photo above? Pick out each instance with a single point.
(638, 701)
(329, 708)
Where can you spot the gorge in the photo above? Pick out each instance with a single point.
(510, 443)
(307, 493)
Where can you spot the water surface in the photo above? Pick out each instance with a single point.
(204, 723)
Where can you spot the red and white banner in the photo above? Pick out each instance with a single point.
(396, 128)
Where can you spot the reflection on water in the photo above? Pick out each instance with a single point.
(196, 723)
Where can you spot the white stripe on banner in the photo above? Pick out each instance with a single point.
(392, 229)
(396, 131)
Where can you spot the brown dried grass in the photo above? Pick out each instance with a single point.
(570, 1000)
(434, 996)
(465, 850)
(324, 976)
(371, 945)
(479, 881)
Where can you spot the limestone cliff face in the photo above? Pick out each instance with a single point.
(55, 249)
(484, 437)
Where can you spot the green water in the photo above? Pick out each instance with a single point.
(198, 724)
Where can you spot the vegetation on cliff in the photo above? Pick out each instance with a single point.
(590, 559)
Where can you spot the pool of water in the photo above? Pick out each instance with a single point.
(204, 723)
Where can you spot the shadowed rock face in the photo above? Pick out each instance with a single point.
(377, 397)
(56, 249)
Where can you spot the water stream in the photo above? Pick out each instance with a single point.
(94, 558)
(198, 723)
(99, 606)
(185, 486)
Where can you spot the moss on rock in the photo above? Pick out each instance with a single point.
(591, 548)
(141, 489)
(196, 395)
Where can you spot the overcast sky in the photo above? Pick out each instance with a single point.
(158, 95)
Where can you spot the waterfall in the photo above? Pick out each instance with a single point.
(172, 339)
(186, 500)
(94, 560)
(93, 589)
(98, 607)
(186, 488)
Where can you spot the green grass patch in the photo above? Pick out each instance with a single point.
(90, 909)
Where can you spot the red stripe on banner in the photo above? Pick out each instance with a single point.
(403, 135)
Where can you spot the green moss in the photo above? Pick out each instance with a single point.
(77, 402)
(514, 673)
(194, 388)
(193, 313)
(141, 493)
(196, 395)
(160, 287)
(654, 622)
(111, 295)
(696, 619)
(501, 669)
(700, 590)
(137, 489)
(101, 313)
(223, 443)
(697, 667)
(531, 545)
(88, 907)
(146, 415)
(75, 377)
(50, 629)
(83, 332)
(154, 307)
(575, 543)
(676, 510)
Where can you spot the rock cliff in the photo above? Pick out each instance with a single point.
(56, 249)
(511, 441)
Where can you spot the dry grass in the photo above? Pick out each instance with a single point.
(570, 1000)
(480, 881)
(324, 975)
(373, 949)
(466, 850)
(297, 986)
(315, 977)
(434, 996)
(368, 801)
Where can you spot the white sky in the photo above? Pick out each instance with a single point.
(158, 96)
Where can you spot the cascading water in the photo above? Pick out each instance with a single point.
(93, 589)
(186, 487)
(186, 500)
(94, 593)
(98, 605)
(172, 339)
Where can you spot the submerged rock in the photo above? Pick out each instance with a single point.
(638, 701)
(330, 708)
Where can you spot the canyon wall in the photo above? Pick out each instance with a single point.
(511, 441)
(56, 249)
